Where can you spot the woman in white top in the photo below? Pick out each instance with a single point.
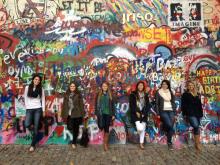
(166, 108)
(35, 106)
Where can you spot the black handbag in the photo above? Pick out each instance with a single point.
(85, 135)
(85, 138)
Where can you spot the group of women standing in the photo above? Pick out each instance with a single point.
(166, 110)
(139, 104)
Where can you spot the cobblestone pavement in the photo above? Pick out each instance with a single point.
(128, 154)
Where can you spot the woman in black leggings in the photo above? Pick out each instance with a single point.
(73, 110)
(105, 111)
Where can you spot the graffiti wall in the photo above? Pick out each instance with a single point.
(119, 41)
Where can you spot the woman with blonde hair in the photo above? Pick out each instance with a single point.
(105, 111)
(192, 112)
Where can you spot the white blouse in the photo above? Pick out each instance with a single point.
(33, 103)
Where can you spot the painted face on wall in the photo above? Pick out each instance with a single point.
(104, 87)
(36, 81)
(140, 87)
(72, 87)
(178, 11)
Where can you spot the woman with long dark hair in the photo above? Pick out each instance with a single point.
(139, 107)
(35, 105)
(73, 110)
(166, 108)
(105, 111)
(192, 112)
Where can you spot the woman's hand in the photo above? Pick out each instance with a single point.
(44, 113)
(113, 117)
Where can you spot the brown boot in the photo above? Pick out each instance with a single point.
(142, 146)
(197, 142)
(105, 144)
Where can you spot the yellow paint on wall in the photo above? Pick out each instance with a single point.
(151, 35)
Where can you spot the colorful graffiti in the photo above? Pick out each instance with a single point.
(91, 41)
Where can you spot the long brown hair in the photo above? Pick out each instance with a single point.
(136, 89)
(38, 87)
(100, 93)
(68, 90)
(168, 84)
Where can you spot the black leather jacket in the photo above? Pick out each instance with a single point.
(191, 105)
(133, 108)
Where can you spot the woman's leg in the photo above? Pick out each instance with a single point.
(106, 123)
(37, 115)
(170, 127)
(168, 120)
(141, 127)
(195, 122)
(142, 133)
(76, 123)
(29, 118)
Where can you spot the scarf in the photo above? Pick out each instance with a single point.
(140, 101)
(34, 92)
(165, 94)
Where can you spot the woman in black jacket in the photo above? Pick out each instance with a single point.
(105, 111)
(166, 108)
(191, 107)
(139, 107)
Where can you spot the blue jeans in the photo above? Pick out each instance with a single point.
(167, 117)
(194, 122)
(33, 118)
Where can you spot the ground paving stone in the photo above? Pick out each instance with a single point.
(128, 154)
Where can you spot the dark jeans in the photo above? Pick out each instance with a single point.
(167, 117)
(75, 125)
(33, 117)
(106, 122)
(194, 122)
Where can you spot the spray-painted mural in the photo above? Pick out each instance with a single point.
(121, 41)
